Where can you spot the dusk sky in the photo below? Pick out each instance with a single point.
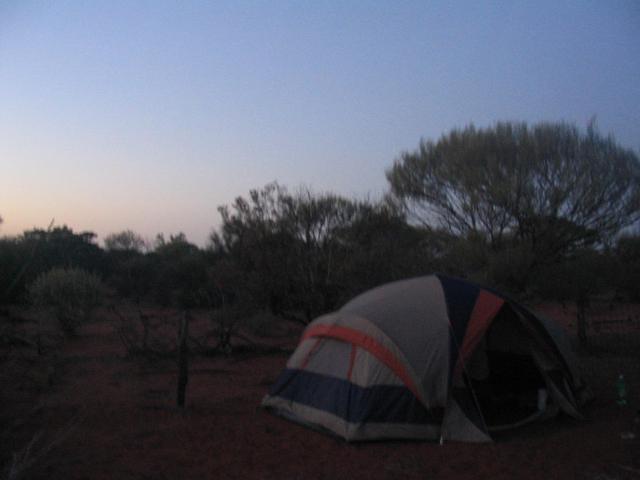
(149, 115)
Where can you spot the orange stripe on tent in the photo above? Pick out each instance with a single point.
(484, 311)
(362, 340)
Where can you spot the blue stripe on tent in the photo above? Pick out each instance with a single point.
(461, 297)
(355, 404)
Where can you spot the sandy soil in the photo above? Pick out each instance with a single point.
(115, 417)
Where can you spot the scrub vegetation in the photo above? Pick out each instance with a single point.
(546, 213)
(72, 293)
(542, 212)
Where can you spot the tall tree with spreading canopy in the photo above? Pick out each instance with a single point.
(303, 253)
(284, 243)
(550, 189)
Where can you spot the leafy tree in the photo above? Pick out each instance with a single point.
(284, 244)
(72, 293)
(176, 246)
(14, 262)
(550, 189)
(379, 246)
(267, 236)
(36, 251)
(62, 247)
(301, 254)
(134, 276)
(127, 241)
(132, 272)
(627, 253)
(312, 222)
(181, 271)
(466, 257)
(587, 273)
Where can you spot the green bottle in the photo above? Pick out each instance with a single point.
(621, 388)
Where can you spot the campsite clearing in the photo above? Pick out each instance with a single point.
(115, 417)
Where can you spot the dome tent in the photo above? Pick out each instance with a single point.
(427, 358)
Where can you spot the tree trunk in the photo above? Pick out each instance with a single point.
(582, 303)
(183, 360)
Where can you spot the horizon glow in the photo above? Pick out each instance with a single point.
(149, 115)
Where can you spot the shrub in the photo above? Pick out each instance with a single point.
(627, 253)
(145, 334)
(71, 292)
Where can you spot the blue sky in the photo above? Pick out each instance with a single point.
(148, 115)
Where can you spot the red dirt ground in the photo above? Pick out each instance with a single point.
(120, 422)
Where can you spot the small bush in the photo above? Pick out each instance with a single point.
(145, 334)
(71, 292)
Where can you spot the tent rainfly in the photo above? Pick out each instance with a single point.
(432, 357)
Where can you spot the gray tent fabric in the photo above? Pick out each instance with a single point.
(426, 358)
(398, 309)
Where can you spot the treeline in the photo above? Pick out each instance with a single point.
(295, 254)
(537, 211)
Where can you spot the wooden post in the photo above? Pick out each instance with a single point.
(183, 360)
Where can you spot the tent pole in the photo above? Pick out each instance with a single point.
(467, 383)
